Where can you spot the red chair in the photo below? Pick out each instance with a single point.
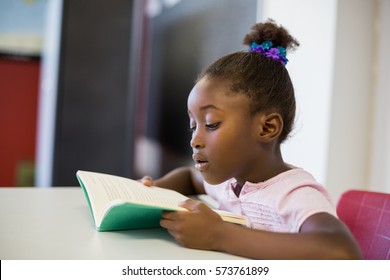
(367, 215)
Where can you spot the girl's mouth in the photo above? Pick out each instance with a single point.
(201, 163)
(201, 166)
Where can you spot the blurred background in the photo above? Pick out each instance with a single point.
(103, 85)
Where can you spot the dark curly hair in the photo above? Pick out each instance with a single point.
(265, 81)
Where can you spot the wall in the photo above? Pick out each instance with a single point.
(379, 177)
(351, 115)
(341, 78)
(313, 23)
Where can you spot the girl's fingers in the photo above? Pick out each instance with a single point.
(147, 181)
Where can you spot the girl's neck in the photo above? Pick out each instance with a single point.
(267, 169)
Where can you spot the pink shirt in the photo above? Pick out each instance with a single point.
(280, 204)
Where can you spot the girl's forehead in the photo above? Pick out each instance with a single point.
(214, 92)
(209, 89)
(205, 93)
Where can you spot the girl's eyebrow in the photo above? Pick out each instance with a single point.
(207, 107)
(210, 106)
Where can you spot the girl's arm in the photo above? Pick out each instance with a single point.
(185, 180)
(322, 236)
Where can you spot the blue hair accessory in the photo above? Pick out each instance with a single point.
(266, 49)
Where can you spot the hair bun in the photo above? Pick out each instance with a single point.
(270, 31)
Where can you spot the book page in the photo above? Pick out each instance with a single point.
(104, 190)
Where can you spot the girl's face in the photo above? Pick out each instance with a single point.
(224, 135)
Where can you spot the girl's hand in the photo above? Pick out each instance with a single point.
(147, 181)
(194, 229)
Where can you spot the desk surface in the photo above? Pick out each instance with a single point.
(55, 223)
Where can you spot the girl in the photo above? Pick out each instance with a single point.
(241, 109)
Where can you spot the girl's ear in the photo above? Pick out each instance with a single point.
(269, 127)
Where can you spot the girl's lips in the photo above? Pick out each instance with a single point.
(201, 163)
(201, 166)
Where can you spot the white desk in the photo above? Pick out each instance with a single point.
(56, 224)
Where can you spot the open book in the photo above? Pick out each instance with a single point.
(118, 203)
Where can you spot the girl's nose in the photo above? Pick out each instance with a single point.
(197, 142)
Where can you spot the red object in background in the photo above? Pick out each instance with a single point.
(19, 84)
(367, 215)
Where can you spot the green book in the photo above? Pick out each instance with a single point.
(119, 203)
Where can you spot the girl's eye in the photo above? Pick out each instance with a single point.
(213, 126)
(192, 129)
